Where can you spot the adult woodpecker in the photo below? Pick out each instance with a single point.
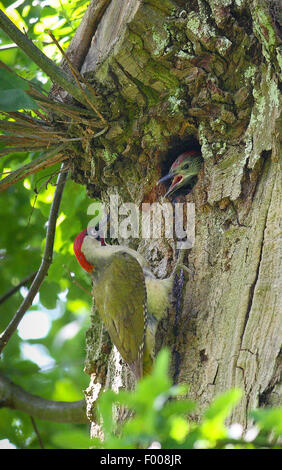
(183, 170)
(128, 297)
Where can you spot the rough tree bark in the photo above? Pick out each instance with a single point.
(172, 73)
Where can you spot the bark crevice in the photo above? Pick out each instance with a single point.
(177, 75)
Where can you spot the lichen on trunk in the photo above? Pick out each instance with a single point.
(168, 75)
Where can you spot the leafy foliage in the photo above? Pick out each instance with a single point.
(51, 365)
(12, 93)
(160, 416)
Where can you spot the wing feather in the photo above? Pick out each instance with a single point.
(121, 302)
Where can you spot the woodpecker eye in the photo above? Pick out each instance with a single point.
(186, 166)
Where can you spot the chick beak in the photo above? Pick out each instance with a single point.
(169, 176)
(176, 183)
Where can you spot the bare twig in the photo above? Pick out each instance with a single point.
(36, 191)
(25, 148)
(81, 41)
(15, 397)
(15, 289)
(78, 77)
(34, 425)
(74, 281)
(61, 108)
(45, 183)
(44, 161)
(26, 118)
(45, 264)
(56, 74)
(27, 127)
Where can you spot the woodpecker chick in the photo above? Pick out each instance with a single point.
(129, 299)
(183, 170)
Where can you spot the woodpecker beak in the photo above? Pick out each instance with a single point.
(169, 176)
(176, 183)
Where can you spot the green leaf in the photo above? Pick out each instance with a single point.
(9, 80)
(65, 390)
(48, 11)
(223, 404)
(161, 365)
(15, 99)
(179, 428)
(49, 294)
(57, 270)
(12, 94)
(72, 439)
(44, 208)
(212, 427)
(178, 407)
(269, 419)
(26, 367)
(25, 228)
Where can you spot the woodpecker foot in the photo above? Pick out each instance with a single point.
(184, 268)
(181, 266)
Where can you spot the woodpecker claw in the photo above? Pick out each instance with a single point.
(181, 266)
(184, 268)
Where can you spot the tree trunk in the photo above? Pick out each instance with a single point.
(170, 75)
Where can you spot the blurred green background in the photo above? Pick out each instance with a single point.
(46, 356)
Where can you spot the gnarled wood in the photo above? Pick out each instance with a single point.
(171, 74)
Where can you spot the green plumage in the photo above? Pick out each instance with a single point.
(120, 297)
(129, 300)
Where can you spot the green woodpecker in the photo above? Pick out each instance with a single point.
(128, 297)
(183, 170)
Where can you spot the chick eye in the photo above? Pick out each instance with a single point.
(186, 166)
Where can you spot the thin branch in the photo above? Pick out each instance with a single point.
(44, 161)
(78, 77)
(81, 41)
(26, 118)
(74, 281)
(14, 397)
(61, 108)
(37, 191)
(31, 84)
(24, 148)
(15, 289)
(45, 263)
(10, 126)
(56, 74)
(34, 425)
(14, 46)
